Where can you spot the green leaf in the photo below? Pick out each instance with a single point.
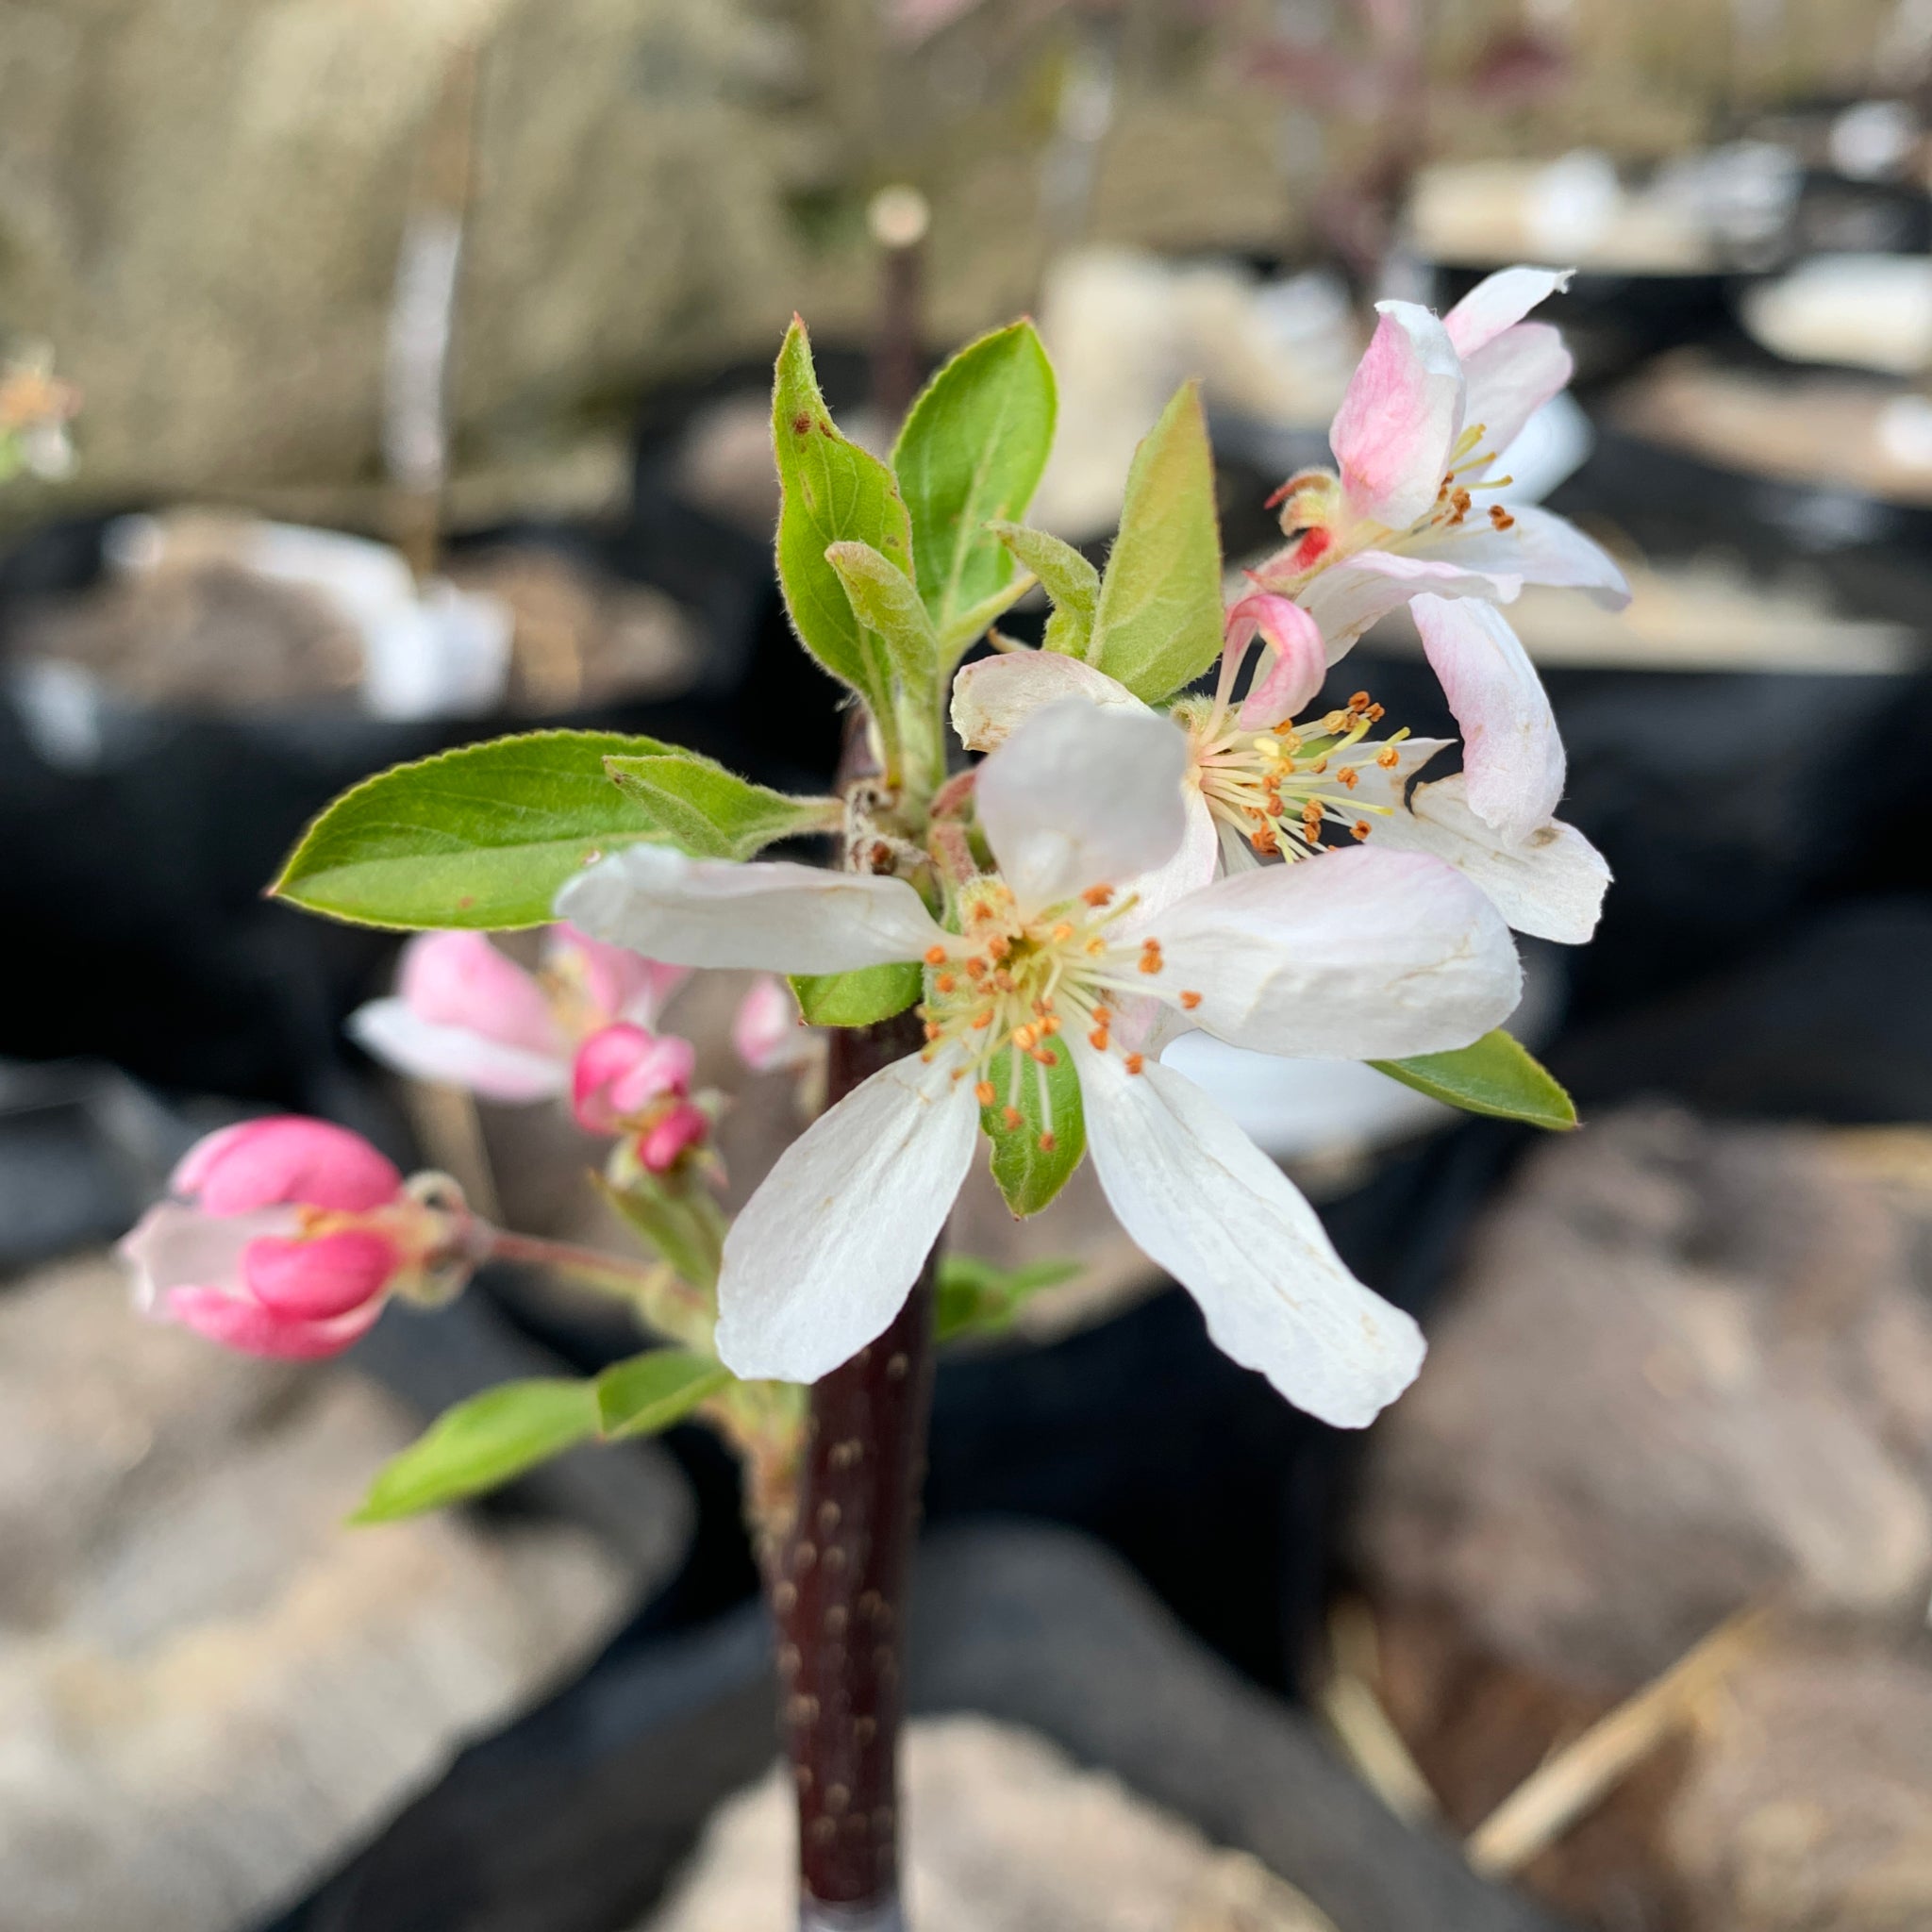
(1157, 626)
(1071, 581)
(884, 601)
(712, 814)
(481, 1443)
(480, 838)
(970, 626)
(683, 1232)
(859, 998)
(1029, 1175)
(972, 451)
(647, 1392)
(978, 1298)
(833, 493)
(1496, 1076)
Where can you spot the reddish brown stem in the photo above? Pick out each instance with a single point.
(838, 1584)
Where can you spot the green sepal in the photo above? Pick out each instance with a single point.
(1069, 579)
(712, 814)
(859, 998)
(1496, 1076)
(645, 1393)
(1157, 624)
(1029, 1175)
(480, 838)
(481, 1443)
(979, 1298)
(684, 1230)
(972, 451)
(832, 492)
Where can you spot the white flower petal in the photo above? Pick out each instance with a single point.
(1400, 417)
(1540, 548)
(1192, 867)
(1082, 795)
(1499, 302)
(1349, 596)
(994, 694)
(1551, 885)
(1512, 753)
(825, 1253)
(1377, 784)
(1358, 954)
(1206, 1203)
(391, 1032)
(174, 1245)
(773, 915)
(1512, 377)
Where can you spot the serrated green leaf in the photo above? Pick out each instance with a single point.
(1496, 1076)
(976, 1297)
(859, 998)
(712, 814)
(479, 838)
(1029, 1175)
(1158, 623)
(481, 1443)
(832, 492)
(883, 599)
(972, 451)
(647, 1392)
(1071, 581)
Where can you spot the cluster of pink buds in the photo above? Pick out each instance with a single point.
(285, 1237)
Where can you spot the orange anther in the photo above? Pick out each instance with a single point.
(975, 968)
(1011, 1116)
(1374, 714)
(1149, 962)
(933, 1032)
(1388, 758)
(983, 1092)
(1046, 1144)
(1360, 828)
(935, 955)
(1062, 933)
(1103, 1016)
(1097, 895)
(1097, 1040)
(982, 1021)
(1023, 1037)
(1135, 1063)
(998, 947)
(1348, 776)
(1046, 1056)
(1191, 1000)
(1360, 702)
(945, 983)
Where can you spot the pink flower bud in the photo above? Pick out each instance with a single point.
(681, 1127)
(622, 1070)
(617, 984)
(459, 979)
(285, 1159)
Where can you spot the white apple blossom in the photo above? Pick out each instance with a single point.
(1368, 955)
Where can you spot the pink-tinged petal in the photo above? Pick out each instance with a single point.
(313, 1280)
(392, 1032)
(825, 1253)
(1511, 379)
(250, 1328)
(176, 1246)
(769, 914)
(459, 979)
(1499, 302)
(1552, 885)
(1202, 1200)
(1299, 661)
(769, 1032)
(1512, 755)
(994, 696)
(1538, 548)
(1400, 418)
(622, 1070)
(1083, 794)
(684, 1127)
(621, 985)
(1349, 596)
(1356, 955)
(284, 1159)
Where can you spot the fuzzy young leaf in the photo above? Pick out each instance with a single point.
(972, 451)
(1157, 624)
(647, 1392)
(1029, 1175)
(712, 814)
(977, 1297)
(833, 493)
(971, 625)
(885, 602)
(1496, 1076)
(482, 1442)
(1071, 581)
(479, 838)
(859, 998)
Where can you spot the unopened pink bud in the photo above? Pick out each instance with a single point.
(324, 1277)
(681, 1128)
(286, 1159)
(622, 1070)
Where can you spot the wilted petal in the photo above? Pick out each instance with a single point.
(390, 1031)
(1080, 796)
(1358, 954)
(1349, 596)
(1298, 662)
(1400, 417)
(825, 1253)
(316, 1279)
(250, 1328)
(1498, 302)
(1540, 547)
(1552, 884)
(458, 979)
(1206, 1203)
(772, 914)
(285, 1157)
(1512, 377)
(994, 694)
(1512, 754)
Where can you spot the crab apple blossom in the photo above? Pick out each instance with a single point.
(286, 1236)
(1430, 407)
(465, 1014)
(1365, 955)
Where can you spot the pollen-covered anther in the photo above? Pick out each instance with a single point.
(1010, 1115)
(934, 1030)
(1046, 1056)
(1097, 1040)
(1388, 758)
(1150, 959)
(1191, 1000)
(945, 983)
(983, 1092)
(1023, 1037)
(998, 947)
(1500, 518)
(975, 968)
(935, 955)
(982, 1020)
(1062, 933)
(1135, 1062)
(1360, 702)
(1047, 1142)
(1349, 776)
(1097, 895)
(1360, 828)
